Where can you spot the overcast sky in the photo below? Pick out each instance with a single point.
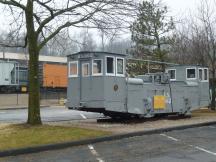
(180, 6)
(178, 9)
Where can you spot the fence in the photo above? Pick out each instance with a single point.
(47, 97)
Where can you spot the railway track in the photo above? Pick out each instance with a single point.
(123, 120)
(139, 120)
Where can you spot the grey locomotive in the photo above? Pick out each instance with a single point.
(97, 82)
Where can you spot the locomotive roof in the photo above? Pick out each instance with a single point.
(96, 52)
(187, 65)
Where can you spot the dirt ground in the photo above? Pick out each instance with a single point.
(118, 127)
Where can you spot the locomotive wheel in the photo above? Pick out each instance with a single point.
(185, 115)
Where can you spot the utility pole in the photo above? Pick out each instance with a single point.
(3, 53)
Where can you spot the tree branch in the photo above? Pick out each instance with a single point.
(13, 3)
(51, 10)
(14, 45)
(60, 12)
(67, 24)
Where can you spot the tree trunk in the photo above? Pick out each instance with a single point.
(34, 89)
(213, 90)
(159, 52)
(34, 86)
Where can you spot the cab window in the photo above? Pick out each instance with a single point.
(73, 69)
(85, 69)
(157, 78)
(200, 74)
(205, 74)
(172, 74)
(119, 66)
(97, 67)
(110, 65)
(191, 73)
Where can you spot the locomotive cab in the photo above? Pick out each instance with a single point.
(195, 79)
(96, 81)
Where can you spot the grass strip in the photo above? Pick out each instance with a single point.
(203, 112)
(23, 135)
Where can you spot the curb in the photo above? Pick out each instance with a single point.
(21, 107)
(35, 149)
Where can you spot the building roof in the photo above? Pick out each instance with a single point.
(25, 57)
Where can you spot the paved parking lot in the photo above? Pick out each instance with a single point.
(189, 145)
(48, 114)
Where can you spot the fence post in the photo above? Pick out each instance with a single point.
(17, 99)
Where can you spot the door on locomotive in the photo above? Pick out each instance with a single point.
(203, 76)
(85, 89)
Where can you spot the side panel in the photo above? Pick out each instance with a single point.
(93, 92)
(73, 93)
(54, 75)
(6, 73)
(115, 93)
(135, 100)
(204, 94)
(178, 97)
(185, 97)
(157, 99)
(192, 93)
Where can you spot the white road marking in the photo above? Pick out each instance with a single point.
(95, 153)
(212, 127)
(204, 150)
(196, 147)
(83, 116)
(90, 147)
(2, 112)
(100, 160)
(172, 138)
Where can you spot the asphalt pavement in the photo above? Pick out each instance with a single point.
(48, 114)
(189, 145)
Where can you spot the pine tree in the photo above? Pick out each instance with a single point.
(151, 31)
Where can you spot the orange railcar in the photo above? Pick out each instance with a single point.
(54, 75)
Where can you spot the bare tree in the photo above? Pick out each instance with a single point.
(62, 45)
(208, 20)
(188, 45)
(196, 43)
(7, 37)
(42, 20)
(102, 35)
(119, 46)
(87, 41)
